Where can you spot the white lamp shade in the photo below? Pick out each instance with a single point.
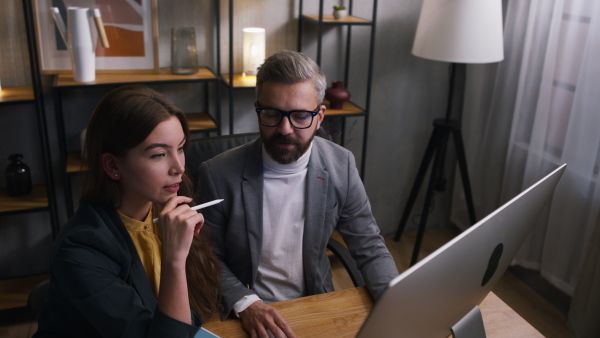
(461, 31)
(253, 51)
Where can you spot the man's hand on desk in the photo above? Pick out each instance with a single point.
(259, 318)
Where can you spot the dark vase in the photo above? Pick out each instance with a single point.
(18, 177)
(337, 95)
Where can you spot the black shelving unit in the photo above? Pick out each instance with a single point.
(232, 81)
(42, 199)
(350, 109)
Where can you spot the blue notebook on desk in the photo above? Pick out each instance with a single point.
(204, 333)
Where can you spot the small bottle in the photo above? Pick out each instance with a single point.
(18, 177)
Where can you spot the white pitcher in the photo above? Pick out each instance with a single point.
(79, 40)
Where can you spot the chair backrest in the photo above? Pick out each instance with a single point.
(203, 149)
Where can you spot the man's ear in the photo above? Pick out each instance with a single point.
(320, 115)
(110, 167)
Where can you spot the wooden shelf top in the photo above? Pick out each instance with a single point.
(14, 291)
(241, 80)
(348, 108)
(15, 94)
(37, 199)
(164, 75)
(201, 122)
(73, 162)
(349, 19)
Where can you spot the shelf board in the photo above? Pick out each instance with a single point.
(240, 80)
(164, 75)
(201, 122)
(37, 199)
(16, 94)
(198, 122)
(14, 291)
(329, 19)
(348, 108)
(73, 162)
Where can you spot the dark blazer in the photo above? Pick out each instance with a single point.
(98, 285)
(335, 199)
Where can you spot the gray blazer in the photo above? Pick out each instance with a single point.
(335, 199)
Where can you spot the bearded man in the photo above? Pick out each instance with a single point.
(284, 195)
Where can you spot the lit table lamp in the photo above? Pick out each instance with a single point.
(253, 51)
(455, 31)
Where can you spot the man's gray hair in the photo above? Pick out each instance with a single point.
(290, 67)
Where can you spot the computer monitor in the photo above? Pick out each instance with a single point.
(440, 295)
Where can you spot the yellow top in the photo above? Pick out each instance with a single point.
(147, 243)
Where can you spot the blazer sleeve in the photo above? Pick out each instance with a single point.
(91, 271)
(361, 233)
(232, 288)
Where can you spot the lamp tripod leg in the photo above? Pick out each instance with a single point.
(442, 140)
(437, 146)
(464, 174)
(429, 152)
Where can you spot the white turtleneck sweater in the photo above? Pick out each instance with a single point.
(280, 269)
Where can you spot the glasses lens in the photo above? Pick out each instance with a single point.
(270, 117)
(301, 119)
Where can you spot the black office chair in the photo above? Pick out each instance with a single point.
(35, 300)
(203, 149)
(342, 253)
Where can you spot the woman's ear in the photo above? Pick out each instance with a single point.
(110, 167)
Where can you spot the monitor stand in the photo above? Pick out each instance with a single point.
(470, 325)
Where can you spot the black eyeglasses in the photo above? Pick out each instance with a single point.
(300, 119)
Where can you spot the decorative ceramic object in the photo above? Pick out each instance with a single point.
(337, 95)
(18, 177)
(78, 38)
(339, 12)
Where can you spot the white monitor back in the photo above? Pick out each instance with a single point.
(429, 298)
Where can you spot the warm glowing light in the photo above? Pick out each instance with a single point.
(253, 51)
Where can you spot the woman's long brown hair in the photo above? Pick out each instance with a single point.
(123, 119)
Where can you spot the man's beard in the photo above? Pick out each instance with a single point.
(284, 155)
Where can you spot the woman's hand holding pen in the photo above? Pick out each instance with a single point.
(178, 224)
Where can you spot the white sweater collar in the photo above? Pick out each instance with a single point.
(270, 165)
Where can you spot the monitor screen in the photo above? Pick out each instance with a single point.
(434, 295)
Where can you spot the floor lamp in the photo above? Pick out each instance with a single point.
(455, 31)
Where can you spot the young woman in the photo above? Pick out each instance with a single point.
(113, 271)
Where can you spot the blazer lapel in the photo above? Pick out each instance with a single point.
(317, 180)
(252, 192)
(137, 274)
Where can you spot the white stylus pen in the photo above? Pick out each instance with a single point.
(199, 206)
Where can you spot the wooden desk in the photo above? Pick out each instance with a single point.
(342, 313)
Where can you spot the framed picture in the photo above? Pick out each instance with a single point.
(131, 28)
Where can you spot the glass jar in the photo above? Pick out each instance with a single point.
(184, 56)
